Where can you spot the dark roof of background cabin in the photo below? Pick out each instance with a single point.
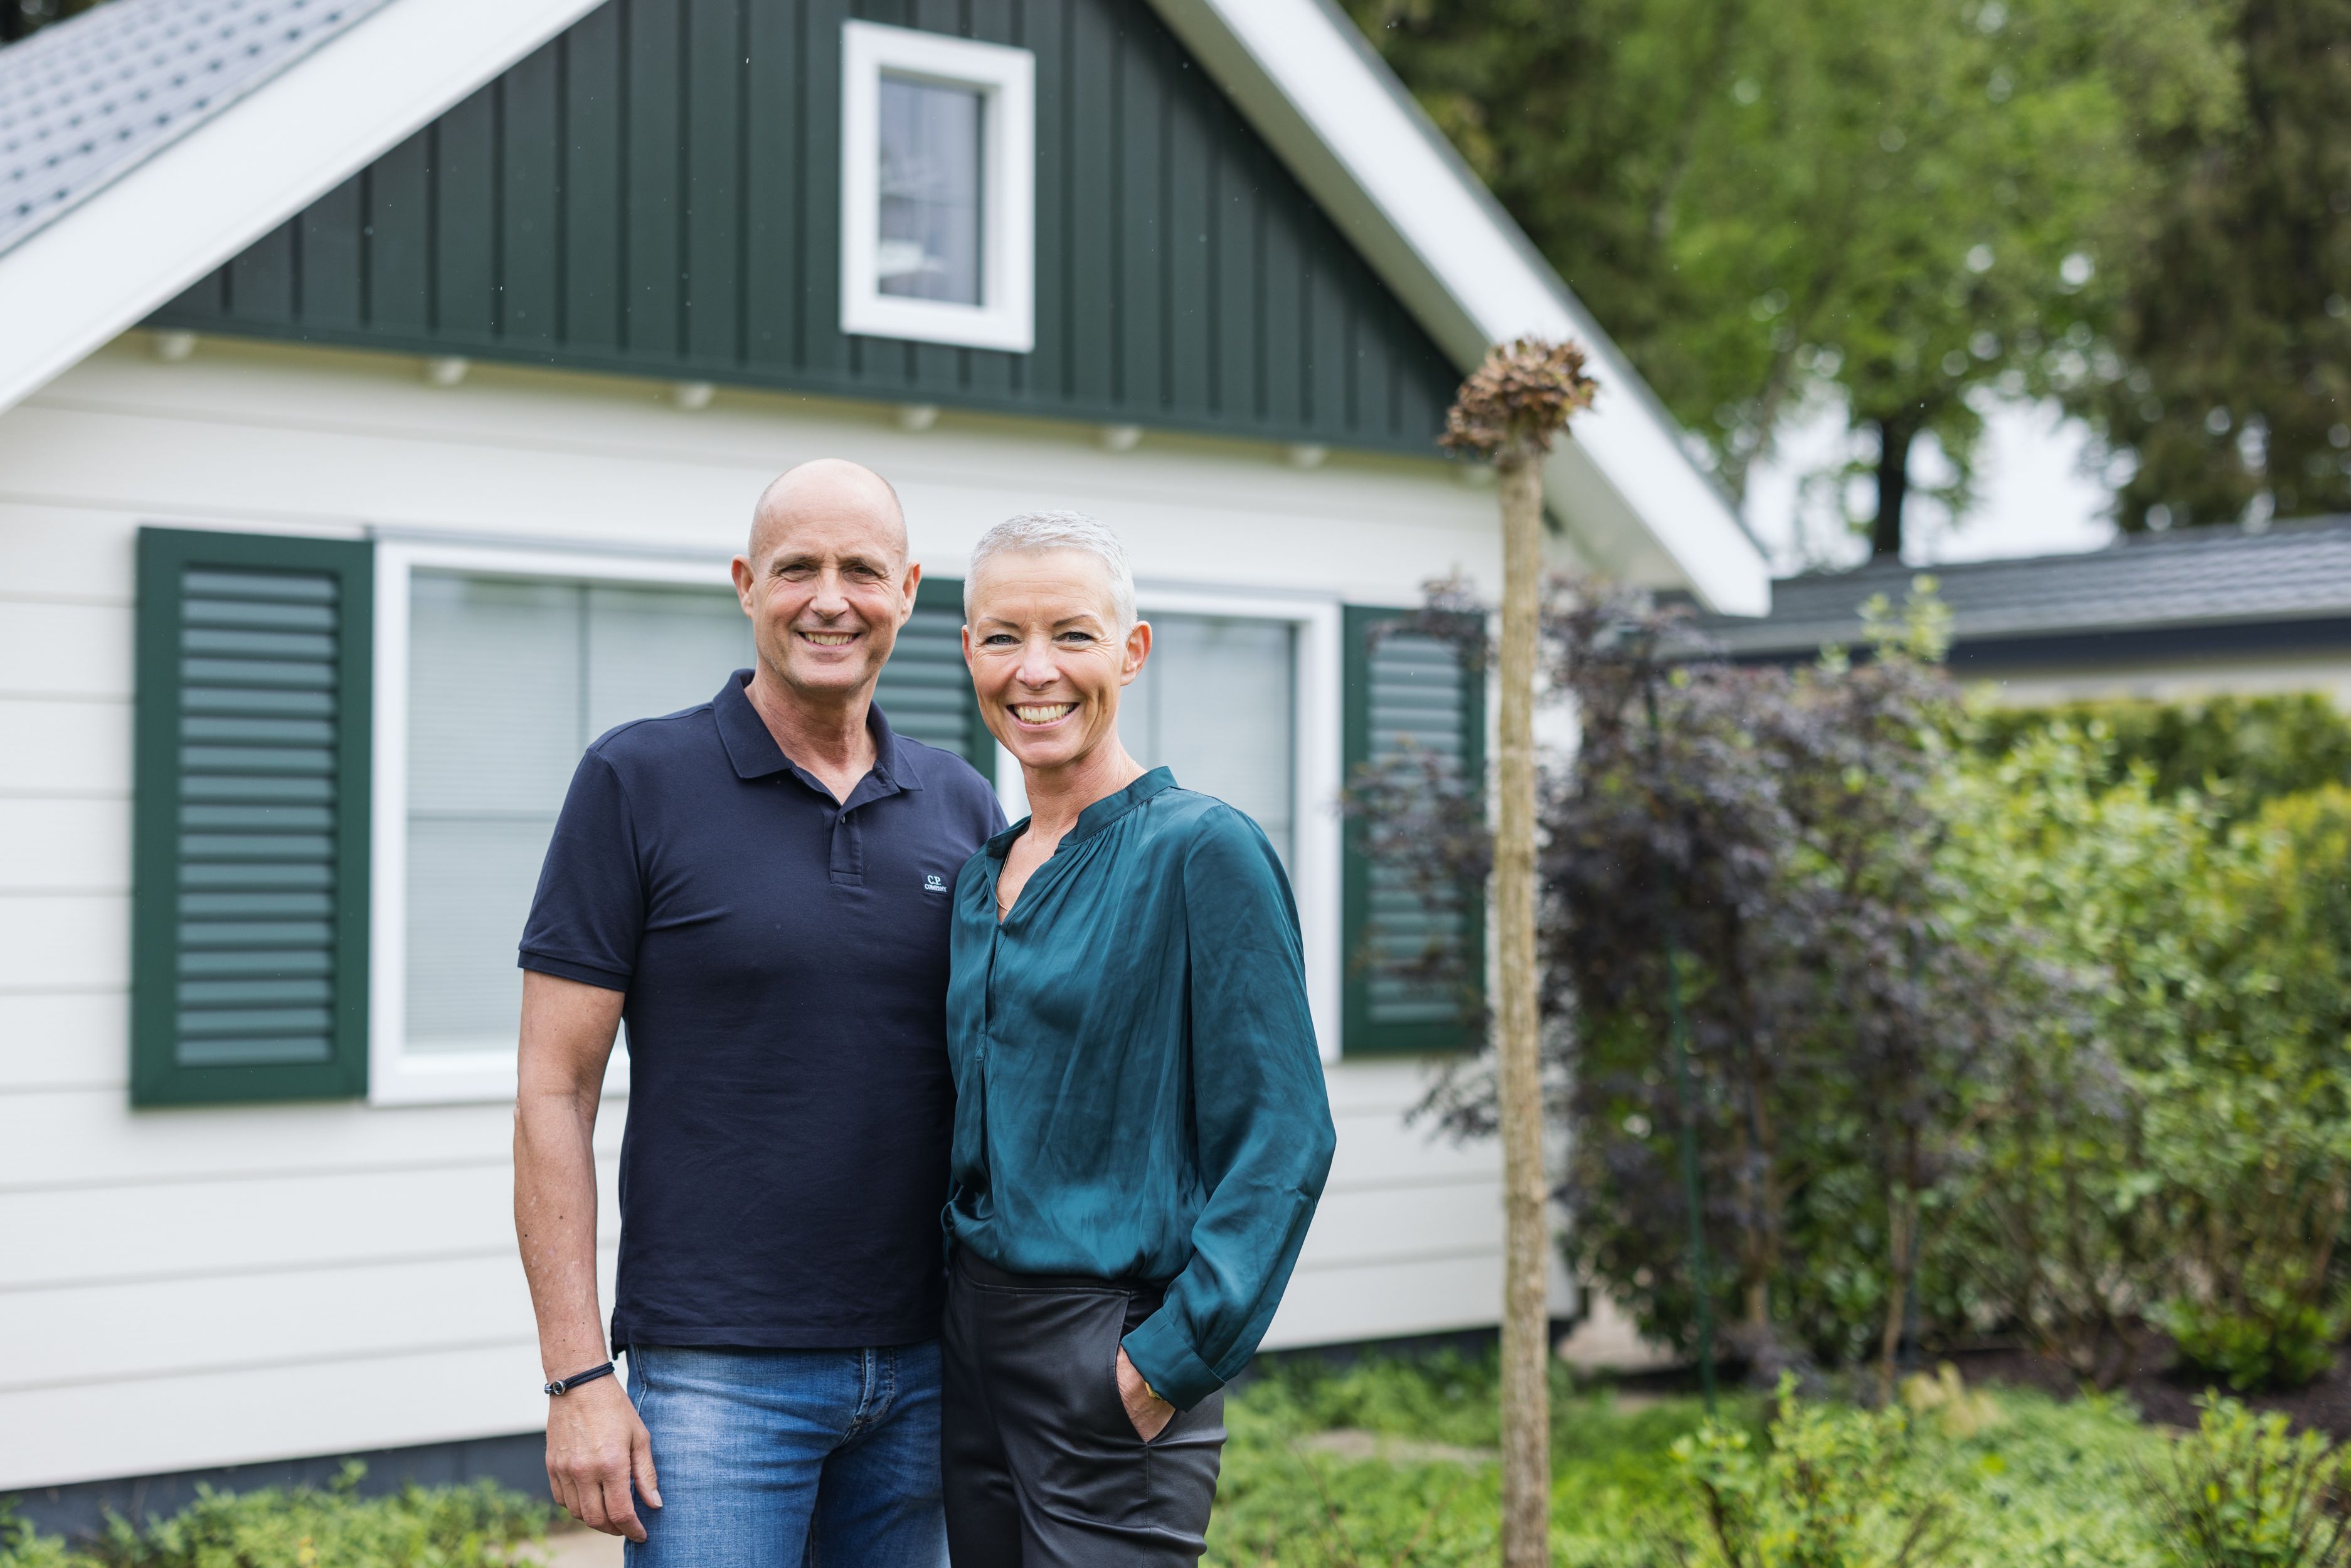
(2196, 578)
(87, 100)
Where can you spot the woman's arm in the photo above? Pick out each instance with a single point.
(1261, 1114)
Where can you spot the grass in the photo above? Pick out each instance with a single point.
(2023, 1481)
(1391, 1463)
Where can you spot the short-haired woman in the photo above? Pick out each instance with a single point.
(1142, 1129)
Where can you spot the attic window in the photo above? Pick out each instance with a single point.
(938, 171)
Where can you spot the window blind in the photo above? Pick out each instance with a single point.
(250, 854)
(1406, 692)
(926, 688)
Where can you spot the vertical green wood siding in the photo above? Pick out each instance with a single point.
(657, 191)
(1405, 692)
(249, 961)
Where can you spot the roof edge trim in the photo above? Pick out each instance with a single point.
(1303, 75)
(79, 281)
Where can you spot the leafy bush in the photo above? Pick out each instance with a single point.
(440, 1527)
(2251, 1122)
(1771, 830)
(1833, 1488)
(1993, 1028)
(2095, 905)
(2246, 751)
(2285, 1345)
(2244, 1492)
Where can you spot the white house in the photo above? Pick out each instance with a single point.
(379, 378)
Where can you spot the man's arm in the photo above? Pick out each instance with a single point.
(595, 1443)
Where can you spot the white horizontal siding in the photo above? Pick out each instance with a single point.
(65, 843)
(69, 554)
(89, 1138)
(236, 1414)
(65, 746)
(69, 1040)
(1409, 1238)
(1428, 1293)
(64, 941)
(214, 1285)
(114, 1333)
(234, 1226)
(58, 649)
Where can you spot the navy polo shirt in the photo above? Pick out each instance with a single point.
(785, 960)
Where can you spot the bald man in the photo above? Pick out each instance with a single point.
(760, 887)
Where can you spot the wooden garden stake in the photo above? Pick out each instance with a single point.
(1509, 411)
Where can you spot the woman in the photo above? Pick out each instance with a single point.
(1141, 1126)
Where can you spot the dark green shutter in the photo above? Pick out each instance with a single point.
(249, 925)
(1405, 690)
(926, 690)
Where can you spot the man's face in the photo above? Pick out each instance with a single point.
(826, 597)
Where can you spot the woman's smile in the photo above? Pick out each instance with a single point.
(1041, 716)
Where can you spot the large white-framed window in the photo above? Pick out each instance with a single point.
(1242, 699)
(938, 175)
(495, 667)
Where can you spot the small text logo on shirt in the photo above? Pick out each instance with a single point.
(933, 882)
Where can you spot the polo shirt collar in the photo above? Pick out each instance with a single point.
(1096, 816)
(751, 746)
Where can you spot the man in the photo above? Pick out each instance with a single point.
(758, 886)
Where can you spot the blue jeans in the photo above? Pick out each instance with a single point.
(777, 1459)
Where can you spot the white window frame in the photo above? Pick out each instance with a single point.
(1317, 771)
(1005, 79)
(397, 1076)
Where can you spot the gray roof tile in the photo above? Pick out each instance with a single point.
(2202, 577)
(85, 101)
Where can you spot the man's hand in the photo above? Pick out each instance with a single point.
(595, 1448)
(1149, 1413)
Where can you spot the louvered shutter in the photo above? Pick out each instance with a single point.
(924, 687)
(249, 939)
(1406, 691)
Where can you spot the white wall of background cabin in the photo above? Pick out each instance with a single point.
(202, 1285)
(2189, 679)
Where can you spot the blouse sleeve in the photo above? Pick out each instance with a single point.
(1261, 1114)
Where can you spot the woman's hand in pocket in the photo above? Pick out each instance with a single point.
(1148, 1412)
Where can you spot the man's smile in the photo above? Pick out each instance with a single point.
(829, 639)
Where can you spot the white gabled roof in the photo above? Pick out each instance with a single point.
(81, 105)
(240, 165)
(1311, 84)
(1298, 69)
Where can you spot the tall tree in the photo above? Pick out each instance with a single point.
(2235, 318)
(1508, 412)
(1897, 206)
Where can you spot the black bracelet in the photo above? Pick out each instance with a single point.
(563, 1385)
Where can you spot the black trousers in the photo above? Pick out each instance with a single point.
(1042, 1469)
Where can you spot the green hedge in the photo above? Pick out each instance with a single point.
(2246, 750)
(305, 1527)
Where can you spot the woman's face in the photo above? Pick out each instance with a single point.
(1048, 657)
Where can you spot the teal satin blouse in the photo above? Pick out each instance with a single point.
(1138, 1092)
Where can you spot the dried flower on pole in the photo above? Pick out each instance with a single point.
(1520, 398)
(1509, 411)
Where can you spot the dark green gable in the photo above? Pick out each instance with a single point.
(656, 192)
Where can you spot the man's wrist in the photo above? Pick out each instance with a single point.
(559, 1386)
(573, 1354)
